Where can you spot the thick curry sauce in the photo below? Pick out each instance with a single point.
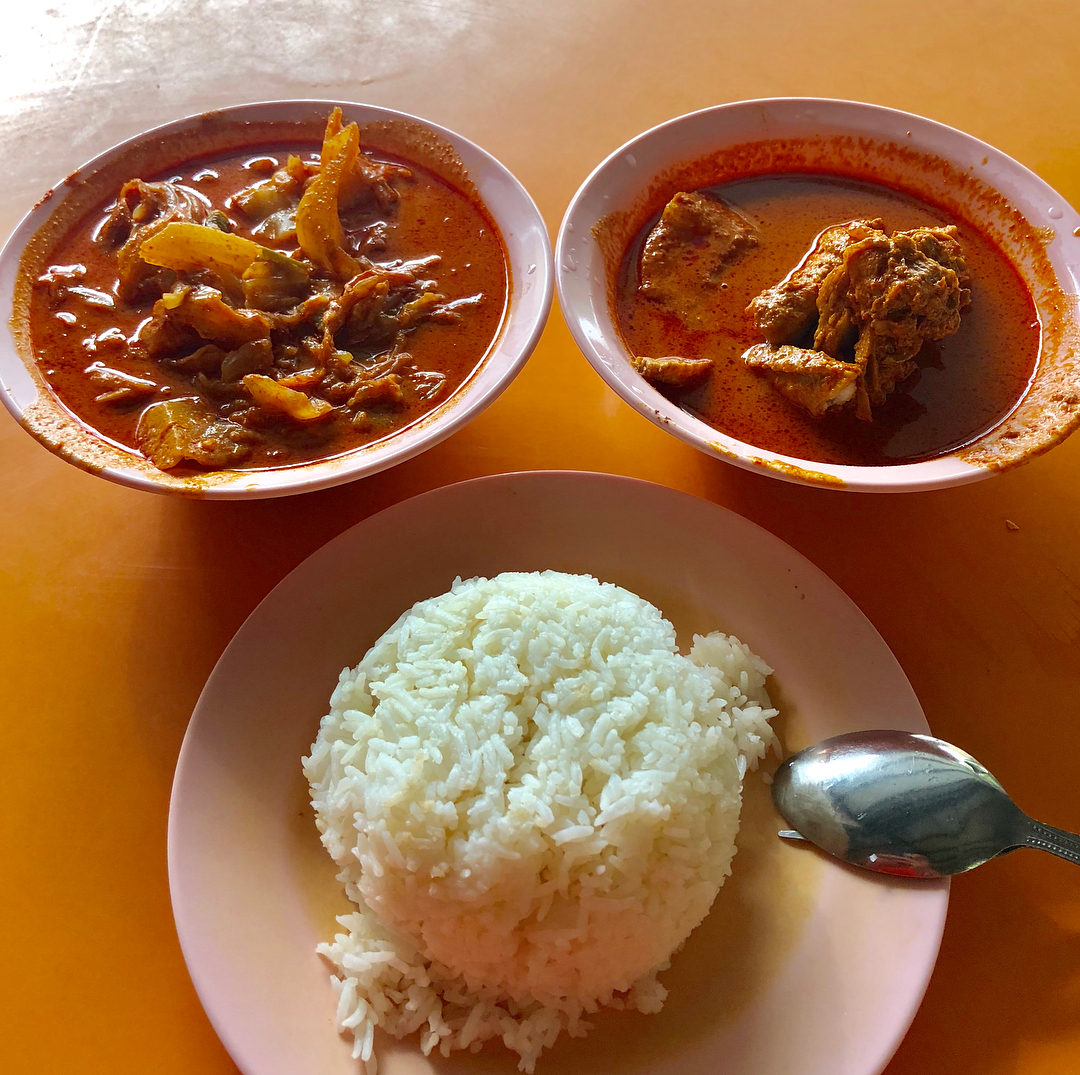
(87, 322)
(964, 386)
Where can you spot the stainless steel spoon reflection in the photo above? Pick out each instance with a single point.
(907, 805)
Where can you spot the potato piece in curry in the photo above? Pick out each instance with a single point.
(272, 307)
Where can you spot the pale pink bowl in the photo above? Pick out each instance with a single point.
(529, 301)
(1047, 258)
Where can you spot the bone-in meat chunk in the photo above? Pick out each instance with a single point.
(785, 312)
(898, 291)
(672, 371)
(872, 299)
(685, 255)
(911, 286)
(808, 378)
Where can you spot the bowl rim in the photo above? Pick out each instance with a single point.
(613, 367)
(530, 290)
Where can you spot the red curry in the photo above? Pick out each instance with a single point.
(269, 307)
(963, 386)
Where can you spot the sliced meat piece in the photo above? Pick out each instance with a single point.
(372, 184)
(183, 429)
(425, 305)
(308, 310)
(207, 359)
(810, 379)
(359, 313)
(786, 312)
(376, 306)
(427, 384)
(672, 371)
(248, 358)
(686, 253)
(386, 390)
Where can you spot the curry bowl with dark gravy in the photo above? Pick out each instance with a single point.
(833, 293)
(271, 298)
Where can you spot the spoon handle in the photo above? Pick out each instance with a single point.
(1058, 842)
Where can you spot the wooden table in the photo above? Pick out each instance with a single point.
(114, 604)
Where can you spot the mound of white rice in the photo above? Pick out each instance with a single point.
(533, 798)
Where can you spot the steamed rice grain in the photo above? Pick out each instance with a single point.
(533, 798)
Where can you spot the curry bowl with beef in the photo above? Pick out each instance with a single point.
(833, 293)
(269, 299)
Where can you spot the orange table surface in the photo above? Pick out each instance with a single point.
(115, 604)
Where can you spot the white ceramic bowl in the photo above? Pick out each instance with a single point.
(1032, 224)
(26, 396)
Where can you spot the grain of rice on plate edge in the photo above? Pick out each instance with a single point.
(533, 798)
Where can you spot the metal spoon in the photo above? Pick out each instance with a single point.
(905, 804)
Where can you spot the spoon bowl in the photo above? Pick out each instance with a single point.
(907, 805)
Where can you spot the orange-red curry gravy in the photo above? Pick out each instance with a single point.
(432, 217)
(964, 386)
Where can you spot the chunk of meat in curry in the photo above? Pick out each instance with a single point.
(901, 291)
(882, 297)
(142, 211)
(811, 379)
(686, 253)
(672, 370)
(787, 311)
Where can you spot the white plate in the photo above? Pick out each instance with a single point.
(802, 967)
